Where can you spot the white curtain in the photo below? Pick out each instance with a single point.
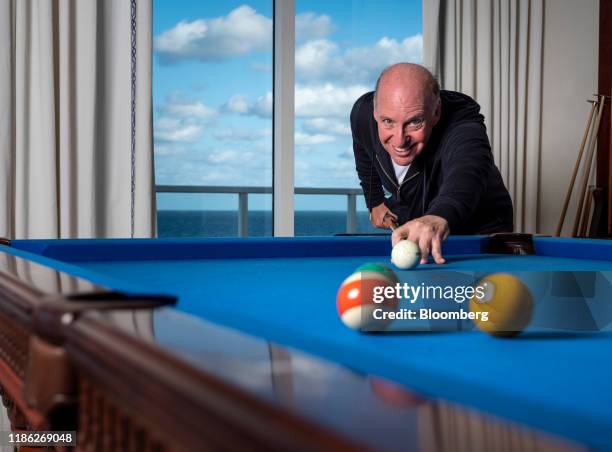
(76, 153)
(492, 51)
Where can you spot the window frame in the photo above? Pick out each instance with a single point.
(283, 118)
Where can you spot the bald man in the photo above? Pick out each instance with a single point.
(424, 161)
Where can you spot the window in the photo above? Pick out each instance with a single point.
(213, 110)
(212, 86)
(341, 48)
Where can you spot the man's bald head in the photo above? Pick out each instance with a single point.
(410, 77)
(406, 109)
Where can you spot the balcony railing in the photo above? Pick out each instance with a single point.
(243, 199)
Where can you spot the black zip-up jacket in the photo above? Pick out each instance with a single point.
(454, 177)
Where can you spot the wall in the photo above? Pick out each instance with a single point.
(569, 79)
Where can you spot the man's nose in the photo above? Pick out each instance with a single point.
(400, 137)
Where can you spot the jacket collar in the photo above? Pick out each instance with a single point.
(385, 160)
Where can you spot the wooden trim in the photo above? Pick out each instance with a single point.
(196, 410)
(12, 387)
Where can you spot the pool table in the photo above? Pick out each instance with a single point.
(188, 344)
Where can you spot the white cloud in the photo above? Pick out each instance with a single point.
(178, 106)
(233, 134)
(173, 129)
(311, 101)
(326, 100)
(316, 59)
(228, 156)
(343, 171)
(181, 120)
(310, 26)
(306, 139)
(347, 154)
(225, 165)
(242, 31)
(238, 33)
(321, 59)
(236, 104)
(326, 173)
(326, 125)
(385, 52)
(303, 174)
(240, 105)
(218, 166)
(169, 148)
(263, 106)
(188, 109)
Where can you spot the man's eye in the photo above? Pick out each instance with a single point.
(416, 122)
(387, 121)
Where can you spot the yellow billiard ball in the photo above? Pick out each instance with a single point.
(507, 302)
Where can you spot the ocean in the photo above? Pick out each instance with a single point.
(214, 223)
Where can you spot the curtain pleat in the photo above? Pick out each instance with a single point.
(76, 149)
(492, 51)
(7, 117)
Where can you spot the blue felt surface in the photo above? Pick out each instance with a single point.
(76, 250)
(558, 382)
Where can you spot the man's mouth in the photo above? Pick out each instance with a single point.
(404, 151)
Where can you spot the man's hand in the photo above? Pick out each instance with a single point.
(428, 232)
(382, 217)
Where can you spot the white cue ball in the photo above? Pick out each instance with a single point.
(405, 254)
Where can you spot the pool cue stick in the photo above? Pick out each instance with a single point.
(584, 220)
(576, 166)
(582, 194)
(590, 154)
(393, 225)
(586, 212)
(588, 224)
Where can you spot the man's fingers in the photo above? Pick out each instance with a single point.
(436, 250)
(413, 235)
(424, 245)
(427, 234)
(399, 233)
(390, 220)
(396, 236)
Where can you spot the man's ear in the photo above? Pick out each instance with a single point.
(438, 112)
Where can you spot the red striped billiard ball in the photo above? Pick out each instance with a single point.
(365, 297)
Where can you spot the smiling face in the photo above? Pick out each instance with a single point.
(406, 112)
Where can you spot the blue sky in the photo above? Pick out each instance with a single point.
(212, 85)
